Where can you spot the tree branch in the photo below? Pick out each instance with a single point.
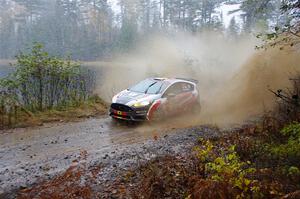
(295, 34)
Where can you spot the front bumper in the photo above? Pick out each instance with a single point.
(124, 112)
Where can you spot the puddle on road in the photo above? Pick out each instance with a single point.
(104, 128)
(41, 143)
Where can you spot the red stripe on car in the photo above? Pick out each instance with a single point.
(153, 108)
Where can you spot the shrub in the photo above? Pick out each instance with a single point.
(225, 166)
(293, 171)
(41, 82)
(288, 109)
(287, 152)
(292, 131)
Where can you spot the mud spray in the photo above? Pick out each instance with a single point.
(234, 78)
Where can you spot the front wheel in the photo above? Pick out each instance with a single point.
(157, 115)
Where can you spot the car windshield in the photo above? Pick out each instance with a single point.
(148, 86)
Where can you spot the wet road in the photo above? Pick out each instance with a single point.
(32, 154)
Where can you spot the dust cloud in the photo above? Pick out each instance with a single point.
(247, 93)
(233, 77)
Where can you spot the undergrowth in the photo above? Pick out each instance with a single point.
(92, 107)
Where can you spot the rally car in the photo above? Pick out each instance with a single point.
(155, 98)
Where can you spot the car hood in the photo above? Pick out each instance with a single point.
(129, 98)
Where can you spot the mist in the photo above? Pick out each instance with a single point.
(207, 57)
(234, 78)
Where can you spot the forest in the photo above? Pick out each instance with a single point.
(99, 29)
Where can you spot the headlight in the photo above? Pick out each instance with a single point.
(141, 104)
(114, 99)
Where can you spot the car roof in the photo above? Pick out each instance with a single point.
(175, 80)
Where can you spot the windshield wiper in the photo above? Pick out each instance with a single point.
(150, 87)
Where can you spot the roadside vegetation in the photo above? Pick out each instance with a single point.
(44, 88)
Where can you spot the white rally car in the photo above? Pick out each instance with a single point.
(155, 98)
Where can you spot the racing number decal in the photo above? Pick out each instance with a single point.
(120, 113)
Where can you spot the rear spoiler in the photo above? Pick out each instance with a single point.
(190, 80)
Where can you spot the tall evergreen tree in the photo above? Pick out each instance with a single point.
(233, 29)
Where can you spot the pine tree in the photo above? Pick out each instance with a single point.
(233, 29)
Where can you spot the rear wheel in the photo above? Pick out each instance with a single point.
(196, 109)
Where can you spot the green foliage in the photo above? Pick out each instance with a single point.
(287, 152)
(293, 171)
(41, 82)
(225, 166)
(205, 150)
(292, 130)
(46, 82)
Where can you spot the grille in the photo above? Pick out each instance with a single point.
(121, 107)
(121, 116)
(141, 112)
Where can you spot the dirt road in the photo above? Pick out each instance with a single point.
(28, 156)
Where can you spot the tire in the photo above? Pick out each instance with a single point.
(118, 122)
(196, 108)
(115, 121)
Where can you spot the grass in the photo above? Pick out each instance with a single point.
(93, 107)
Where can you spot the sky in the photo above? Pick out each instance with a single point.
(114, 5)
(226, 9)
